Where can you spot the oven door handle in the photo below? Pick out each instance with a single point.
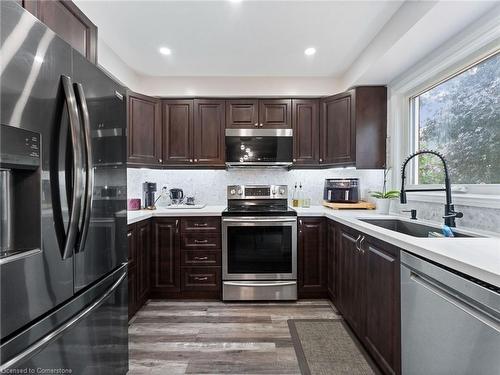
(283, 283)
(261, 220)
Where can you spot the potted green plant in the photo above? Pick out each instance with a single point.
(383, 198)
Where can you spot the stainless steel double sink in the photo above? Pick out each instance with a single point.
(414, 229)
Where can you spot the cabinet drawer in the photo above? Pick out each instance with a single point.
(201, 258)
(201, 278)
(200, 241)
(200, 224)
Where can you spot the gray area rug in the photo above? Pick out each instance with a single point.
(327, 347)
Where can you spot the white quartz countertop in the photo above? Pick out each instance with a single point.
(477, 257)
(135, 216)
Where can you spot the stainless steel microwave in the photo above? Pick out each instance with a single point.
(259, 147)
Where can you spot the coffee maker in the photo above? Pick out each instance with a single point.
(148, 190)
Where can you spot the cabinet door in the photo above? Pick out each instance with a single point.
(144, 129)
(351, 279)
(143, 260)
(132, 291)
(275, 113)
(305, 122)
(312, 258)
(382, 329)
(177, 124)
(131, 241)
(332, 261)
(242, 113)
(69, 22)
(132, 280)
(337, 129)
(209, 123)
(165, 264)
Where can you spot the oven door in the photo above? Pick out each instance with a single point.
(259, 248)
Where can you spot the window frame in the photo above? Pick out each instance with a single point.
(474, 44)
(413, 133)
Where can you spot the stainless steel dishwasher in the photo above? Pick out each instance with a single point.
(450, 323)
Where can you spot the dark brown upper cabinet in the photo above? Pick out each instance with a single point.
(353, 128)
(193, 132)
(67, 21)
(337, 134)
(262, 113)
(209, 123)
(305, 124)
(371, 126)
(242, 113)
(144, 129)
(177, 120)
(275, 113)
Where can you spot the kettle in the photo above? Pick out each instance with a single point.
(176, 196)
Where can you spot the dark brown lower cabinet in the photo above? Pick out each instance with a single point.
(312, 258)
(351, 283)
(382, 324)
(139, 249)
(367, 281)
(186, 259)
(332, 260)
(166, 257)
(143, 251)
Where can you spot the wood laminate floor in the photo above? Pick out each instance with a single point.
(181, 337)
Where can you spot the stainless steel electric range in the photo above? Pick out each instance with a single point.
(259, 244)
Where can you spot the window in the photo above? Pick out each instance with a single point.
(460, 117)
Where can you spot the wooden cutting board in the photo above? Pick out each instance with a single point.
(361, 205)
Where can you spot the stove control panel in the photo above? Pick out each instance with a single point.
(257, 192)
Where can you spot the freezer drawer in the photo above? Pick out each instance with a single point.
(92, 341)
(450, 325)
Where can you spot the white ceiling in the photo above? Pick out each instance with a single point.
(246, 38)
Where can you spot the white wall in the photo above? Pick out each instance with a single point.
(116, 67)
(239, 86)
(209, 186)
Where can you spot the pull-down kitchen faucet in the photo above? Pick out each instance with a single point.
(449, 210)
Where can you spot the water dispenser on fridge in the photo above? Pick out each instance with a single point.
(20, 189)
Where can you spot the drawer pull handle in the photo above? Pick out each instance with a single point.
(200, 241)
(197, 278)
(200, 258)
(201, 225)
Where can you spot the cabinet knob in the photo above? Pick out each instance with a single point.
(160, 160)
(261, 125)
(196, 160)
(294, 160)
(190, 160)
(256, 124)
(320, 160)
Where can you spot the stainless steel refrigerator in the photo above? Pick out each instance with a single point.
(63, 205)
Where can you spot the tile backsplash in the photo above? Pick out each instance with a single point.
(209, 186)
(482, 218)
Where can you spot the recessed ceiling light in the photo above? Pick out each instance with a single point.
(310, 51)
(165, 51)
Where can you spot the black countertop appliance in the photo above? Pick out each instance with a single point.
(341, 190)
(148, 190)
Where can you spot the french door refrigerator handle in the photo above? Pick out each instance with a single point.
(89, 183)
(38, 345)
(75, 213)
